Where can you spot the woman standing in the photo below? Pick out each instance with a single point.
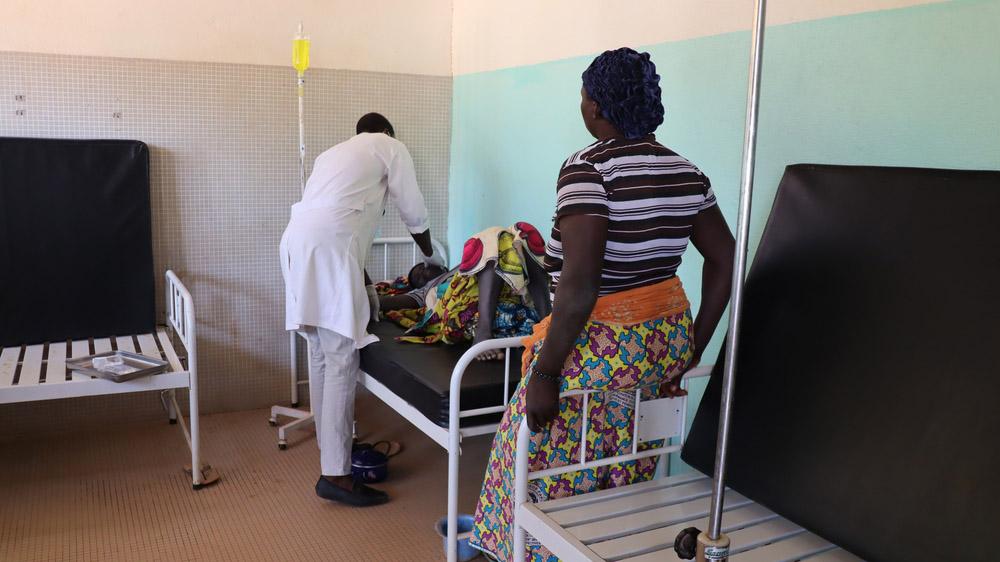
(626, 207)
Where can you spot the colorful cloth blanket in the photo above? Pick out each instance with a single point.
(506, 248)
(454, 314)
(398, 286)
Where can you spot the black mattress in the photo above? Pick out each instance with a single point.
(76, 242)
(867, 383)
(421, 375)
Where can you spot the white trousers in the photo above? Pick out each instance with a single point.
(334, 368)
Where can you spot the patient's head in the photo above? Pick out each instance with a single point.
(422, 274)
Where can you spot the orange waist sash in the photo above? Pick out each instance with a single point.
(633, 306)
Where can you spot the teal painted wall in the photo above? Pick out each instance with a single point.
(909, 87)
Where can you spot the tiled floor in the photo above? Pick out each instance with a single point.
(121, 495)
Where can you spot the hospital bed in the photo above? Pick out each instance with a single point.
(36, 372)
(442, 390)
(78, 278)
(640, 522)
(855, 434)
(381, 255)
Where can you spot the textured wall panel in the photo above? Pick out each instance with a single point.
(224, 172)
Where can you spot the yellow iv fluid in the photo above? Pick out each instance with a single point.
(300, 54)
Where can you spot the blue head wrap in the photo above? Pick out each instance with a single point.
(626, 86)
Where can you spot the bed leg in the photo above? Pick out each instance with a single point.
(196, 475)
(454, 450)
(168, 398)
(710, 550)
(201, 474)
(294, 347)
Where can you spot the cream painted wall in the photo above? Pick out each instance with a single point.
(435, 37)
(532, 31)
(403, 36)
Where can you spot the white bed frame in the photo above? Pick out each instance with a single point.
(450, 438)
(638, 523)
(304, 418)
(30, 373)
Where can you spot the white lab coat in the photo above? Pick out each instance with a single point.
(325, 246)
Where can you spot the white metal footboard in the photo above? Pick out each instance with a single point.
(40, 371)
(302, 418)
(180, 316)
(385, 242)
(640, 522)
(455, 430)
(666, 421)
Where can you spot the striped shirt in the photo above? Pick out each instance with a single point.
(649, 195)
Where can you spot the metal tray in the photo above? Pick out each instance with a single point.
(146, 366)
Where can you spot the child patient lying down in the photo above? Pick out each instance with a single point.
(499, 290)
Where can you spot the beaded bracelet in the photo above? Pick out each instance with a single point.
(545, 376)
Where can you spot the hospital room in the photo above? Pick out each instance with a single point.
(520, 281)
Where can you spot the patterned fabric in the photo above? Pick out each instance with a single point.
(613, 357)
(398, 286)
(452, 310)
(505, 248)
(455, 314)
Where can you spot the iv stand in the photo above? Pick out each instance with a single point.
(714, 545)
(300, 61)
(302, 134)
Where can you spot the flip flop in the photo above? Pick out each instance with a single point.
(392, 448)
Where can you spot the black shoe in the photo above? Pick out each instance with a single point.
(358, 496)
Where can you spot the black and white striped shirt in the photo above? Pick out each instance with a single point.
(650, 196)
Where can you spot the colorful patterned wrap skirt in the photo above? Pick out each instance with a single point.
(634, 339)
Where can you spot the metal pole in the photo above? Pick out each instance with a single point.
(739, 270)
(302, 134)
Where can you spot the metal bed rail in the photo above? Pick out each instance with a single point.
(40, 371)
(456, 414)
(181, 317)
(667, 422)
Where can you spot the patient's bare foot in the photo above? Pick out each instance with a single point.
(490, 355)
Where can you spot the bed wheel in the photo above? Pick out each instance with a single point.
(282, 446)
(686, 543)
(173, 422)
(272, 422)
(295, 404)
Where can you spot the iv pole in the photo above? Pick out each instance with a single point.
(300, 61)
(714, 545)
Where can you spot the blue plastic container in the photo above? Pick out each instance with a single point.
(465, 550)
(369, 465)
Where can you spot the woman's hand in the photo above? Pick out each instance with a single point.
(542, 403)
(671, 388)
(583, 241)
